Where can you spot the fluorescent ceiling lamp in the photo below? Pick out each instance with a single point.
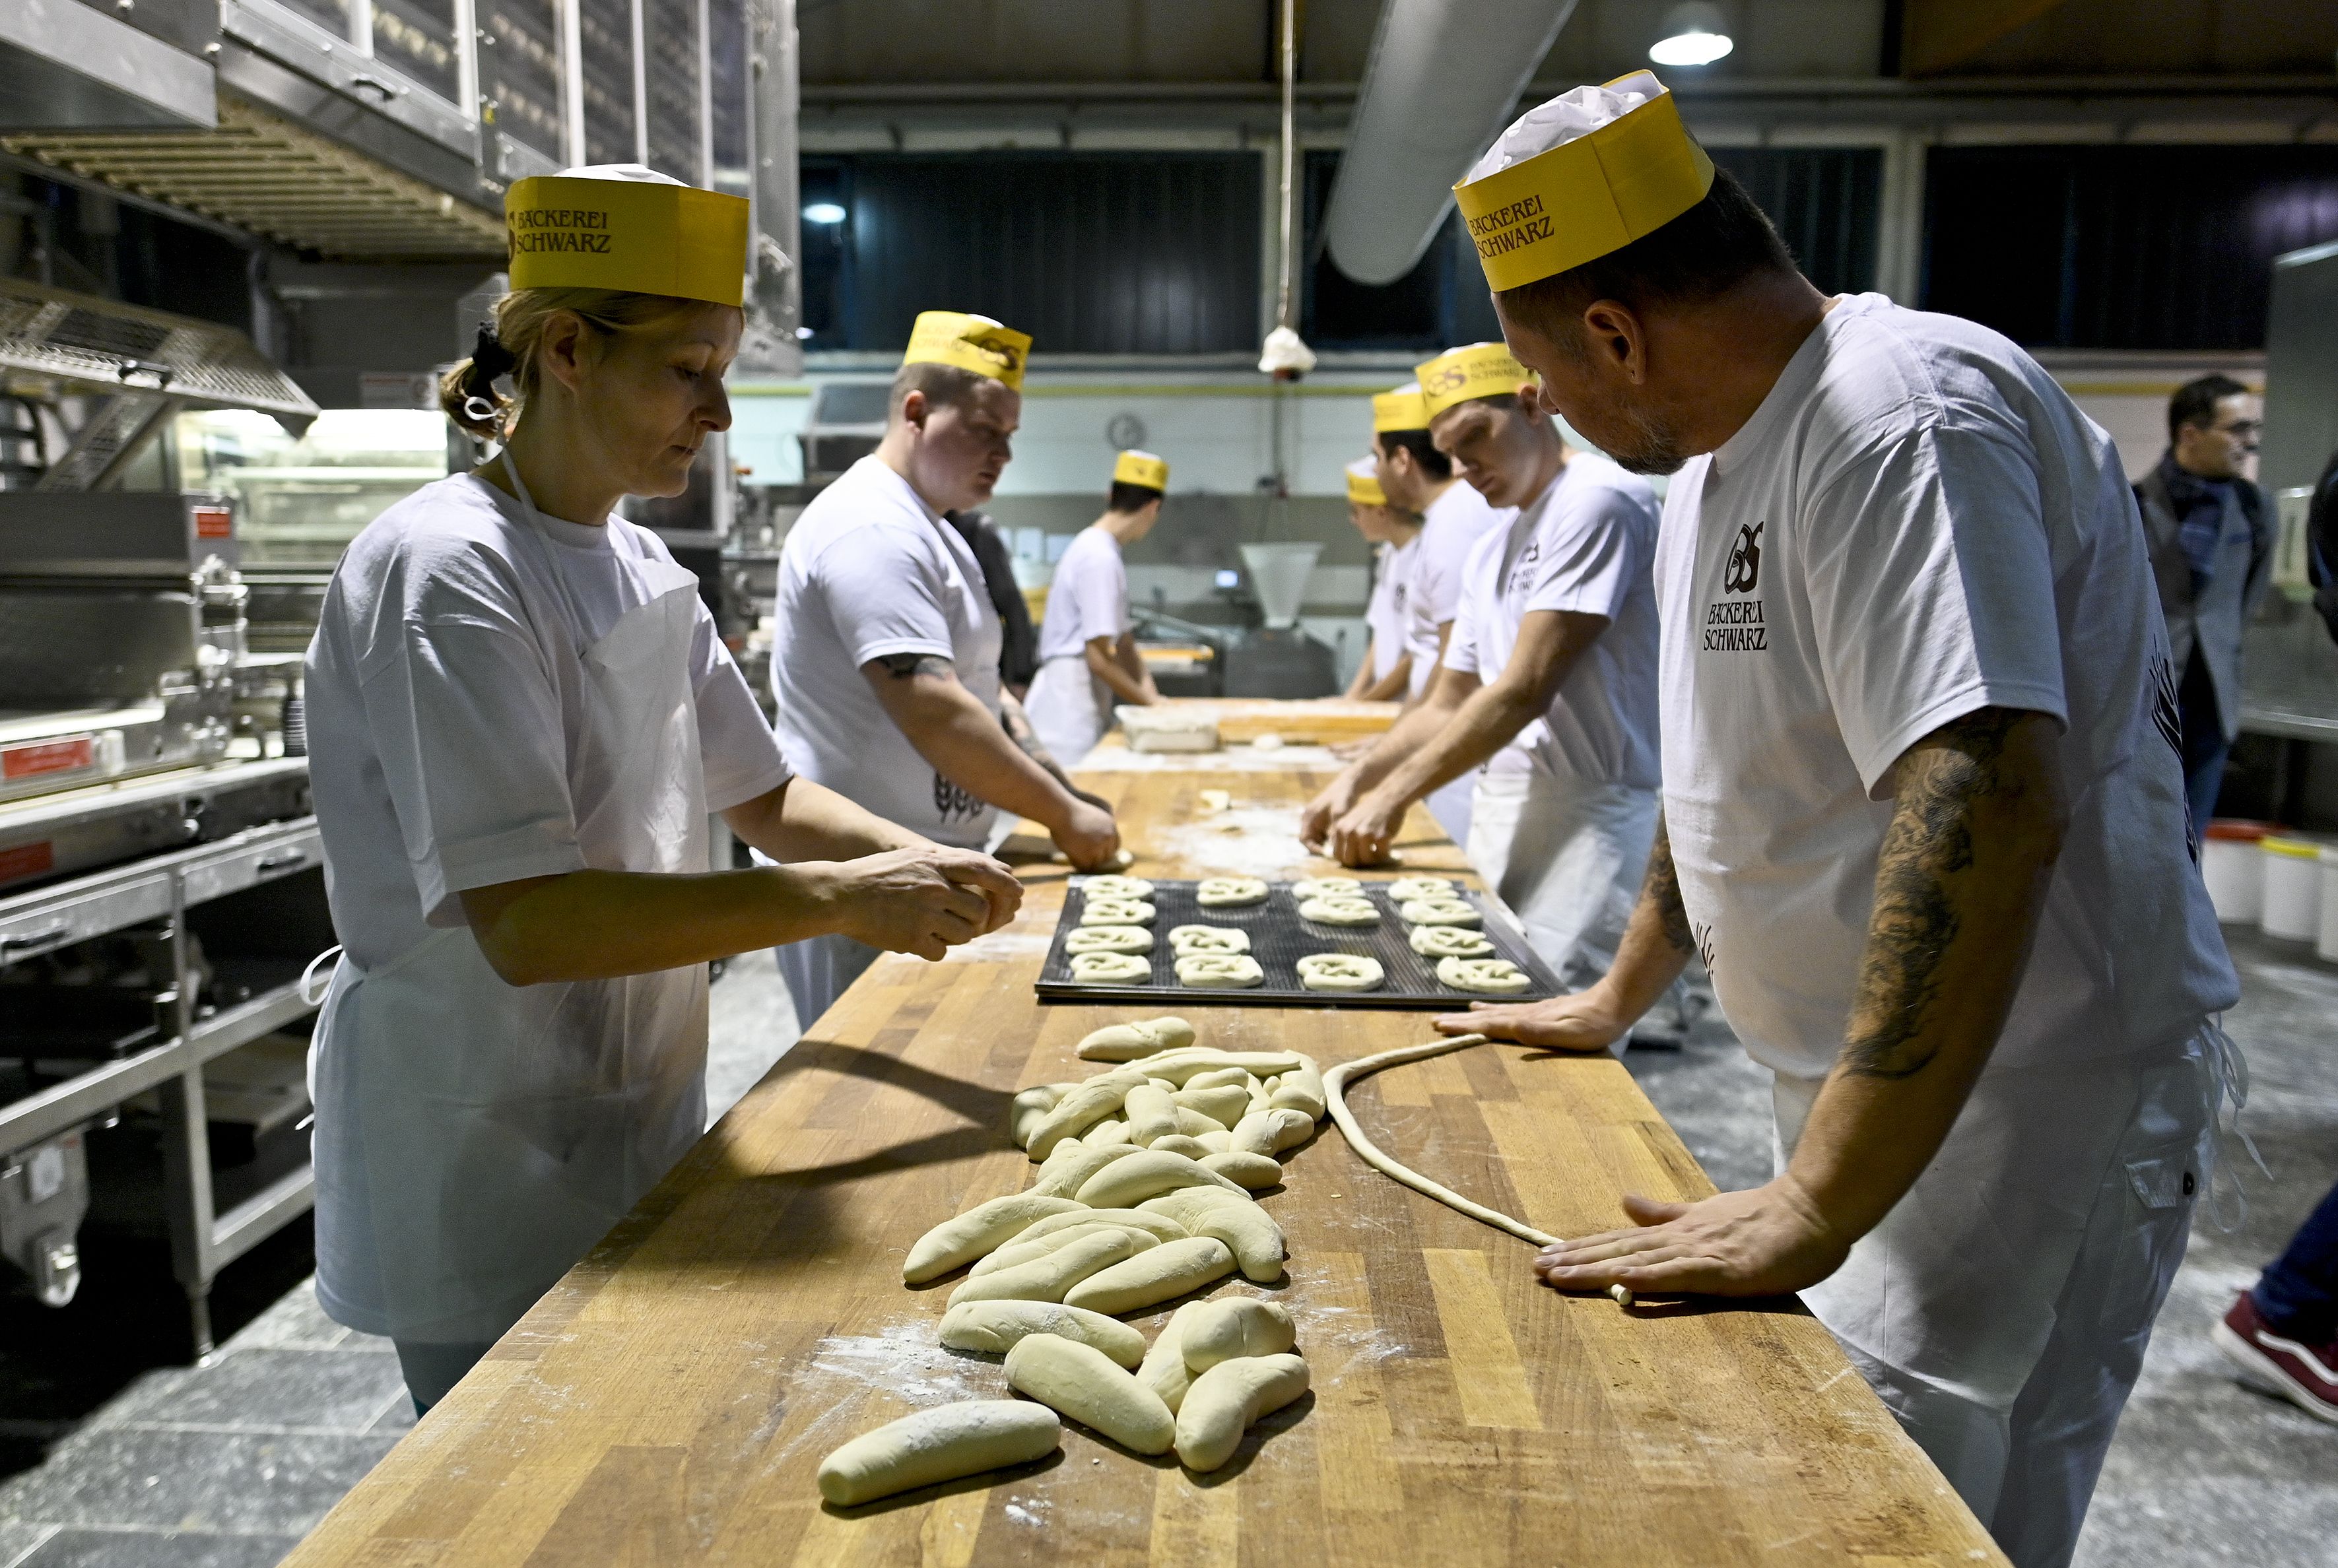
(830, 212)
(1694, 35)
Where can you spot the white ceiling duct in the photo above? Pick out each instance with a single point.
(1443, 79)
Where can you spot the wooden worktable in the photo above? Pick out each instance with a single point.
(670, 1401)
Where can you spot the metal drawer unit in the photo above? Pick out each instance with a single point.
(204, 1238)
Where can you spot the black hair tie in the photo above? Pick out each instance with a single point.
(489, 360)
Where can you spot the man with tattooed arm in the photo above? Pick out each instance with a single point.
(1923, 808)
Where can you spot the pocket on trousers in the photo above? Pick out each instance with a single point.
(2165, 1177)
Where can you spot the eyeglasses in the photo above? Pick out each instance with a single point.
(2246, 429)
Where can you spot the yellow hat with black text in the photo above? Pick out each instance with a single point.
(974, 343)
(1402, 409)
(1588, 173)
(1478, 370)
(1364, 484)
(1141, 468)
(624, 226)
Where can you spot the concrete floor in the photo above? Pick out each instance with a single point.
(225, 1465)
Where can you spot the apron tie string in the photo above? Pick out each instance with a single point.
(2226, 1079)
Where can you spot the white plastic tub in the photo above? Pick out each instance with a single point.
(2232, 864)
(2293, 888)
(2325, 944)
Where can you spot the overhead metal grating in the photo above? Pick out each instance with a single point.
(260, 173)
(55, 342)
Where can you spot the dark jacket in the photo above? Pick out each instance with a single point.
(2165, 495)
(2321, 545)
(1018, 648)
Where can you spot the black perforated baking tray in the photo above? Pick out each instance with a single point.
(1278, 938)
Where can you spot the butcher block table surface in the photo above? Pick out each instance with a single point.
(671, 1400)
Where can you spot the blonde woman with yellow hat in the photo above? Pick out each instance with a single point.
(520, 719)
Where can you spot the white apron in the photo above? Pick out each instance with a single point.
(1568, 859)
(1069, 708)
(476, 1138)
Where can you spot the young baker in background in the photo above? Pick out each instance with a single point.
(1548, 679)
(1924, 809)
(1087, 644)
(885, 666)
(1386, 673)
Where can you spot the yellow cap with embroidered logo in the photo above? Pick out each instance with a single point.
(1402, 409)
(974, 343)
(1588, 173)
(1141, 468)
(1479, 371)
(624, 226)
(1364, 482)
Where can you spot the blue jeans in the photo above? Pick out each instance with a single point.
(2204, 746)
(2298, 1294)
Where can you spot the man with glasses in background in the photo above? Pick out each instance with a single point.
(2210, 545)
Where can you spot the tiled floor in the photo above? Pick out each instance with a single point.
(225, 1465)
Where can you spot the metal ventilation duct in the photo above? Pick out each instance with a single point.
(1443, 78)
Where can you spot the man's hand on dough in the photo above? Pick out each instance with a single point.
(1363, 833)
(1316, 818)
(973, 868)
(1583, 1021)
(1767, 1241)
(922, 901)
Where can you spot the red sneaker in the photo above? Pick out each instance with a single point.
(2305, 1374)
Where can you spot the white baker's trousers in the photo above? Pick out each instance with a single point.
(1068, 707)
(1568, 859)
(2002, 1307)
(1449, 806)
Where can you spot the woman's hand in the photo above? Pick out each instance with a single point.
(922, 901)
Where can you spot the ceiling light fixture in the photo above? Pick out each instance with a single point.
(1696, 33)
(823, 213)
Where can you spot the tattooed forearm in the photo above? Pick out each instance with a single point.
(1928, 854)
(1660, 896)
(901, 666)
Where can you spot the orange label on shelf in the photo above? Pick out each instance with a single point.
(48, 757)
(214, 523)
(22, 860)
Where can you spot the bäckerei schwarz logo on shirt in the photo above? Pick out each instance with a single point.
(1744, 568)
(1733, 624)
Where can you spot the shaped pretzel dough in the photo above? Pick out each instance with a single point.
(1236, 971)
(1408, 887)
(1340, 911)
(1109, 887)
(1449, 942)
(1439, 912)
(1108, 939)
(1229, 892)
(1115, 912)
(1496, 977)
(1109, 966)
(1328, 888)
(1340, 972)
(1208, 939)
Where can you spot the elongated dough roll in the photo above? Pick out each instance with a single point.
(980, 1229)
(1227, 1399)
(1151, 1114)
(1301, 1089)
(1129, 1042)
(1160, 1226)
(1235, 1326)
(1082, 1108)
(1192, 1149)
(1225, 1104)
(1126, 1184)
(1272, 1130)
(1080, 1381)
(1247, 1230)
(1063, 1173)
(1031, 1107)
(994, 1327)
(939, 1445)
(1018, 1252)
(1170, 1270)
(1179, 1066)
(1248, 1172)
(1163, 1369)
(1047, 1279)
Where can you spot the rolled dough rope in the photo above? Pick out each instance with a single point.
(1047, 1279)
(1449, 942)
(1340, 972)
(1187, 939)
(1115, 912)
(1180, 1066)
(994, 1327)
(1328, 888)
(1080, 1381)
(1073, 1163)
(1219, 1078)
(977, 1232)
(1128, 1182)
(1248, 1171)
(1191, 1148)
(1168, 1270)
(1019, 1251)
(1301, 1089)
(1152, 1115)
(1107, 939)
(1082, 1108)
(1248, 1231)
(1129, 1042)
(1030, 1108)
(1160, 1226)
(1225, 1104)
(1229, 892)
(1340, 911)
(939, 1445)
(1335, 1091)
(1110, 886)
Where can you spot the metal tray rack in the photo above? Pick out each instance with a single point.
(1278, 938)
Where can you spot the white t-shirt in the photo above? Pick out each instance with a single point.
(1917, 522)
(1088, 597)
(1454, 523)
(446, 698)
(1585, 544)
(1388, 613)
(871, 570)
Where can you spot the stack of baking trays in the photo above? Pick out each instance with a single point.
(1277, 936)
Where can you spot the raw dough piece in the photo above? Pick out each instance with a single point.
(1031, 1107)
(1335, 1086)
(1340, 972)
(1187, 939)
(1235, 1327)
(1274, 1130)
(1215, 1142)
(1301, 1090)
(1111, 1129)
(1220, 1077)
(1229, 892)
(1214, 800)
(1191, 1148)
(1082, 1108)
(1226, 1400)
(1328, 888)
(1439, 912)
(1125, 1183)
(1170, 1270)
(1449, 942)
(1115, 912)
(1249, 1171)
(1248, 1231)
(1110, 886)
(1163, 1369)
(1080, 1381)
(1046, 1278)
(1061, 1176)
(1129, 1042)
(1092, 968)
(1340, 911)
(994, 1327)
(1406, 888)
(1224, 1105)
(1496, 977)
(980, 1230)
(1160, 1226)
(1212, 971)
(1152, 1115)
(1018, 1252)
(939, 1445)
(1107, 939)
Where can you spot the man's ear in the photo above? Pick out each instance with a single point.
(1614, 336)
(914, 408)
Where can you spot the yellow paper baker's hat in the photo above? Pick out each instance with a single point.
(1364, 482)
(1141, 468)
(1534, 213)
(624, 226)
(974, 343)
(1402, 409)
(1479, 371)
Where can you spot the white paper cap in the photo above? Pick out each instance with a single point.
(1575, 113)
